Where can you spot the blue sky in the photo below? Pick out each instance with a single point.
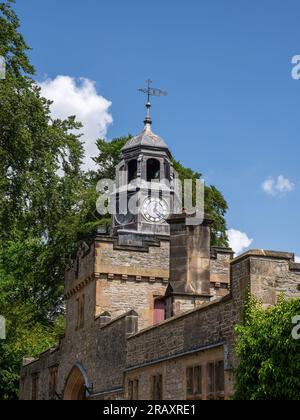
(232, 110)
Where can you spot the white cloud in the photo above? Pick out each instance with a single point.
(279, 185)
(238, 241)
(297, 259)
(79, 97)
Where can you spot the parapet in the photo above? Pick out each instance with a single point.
(270, 273)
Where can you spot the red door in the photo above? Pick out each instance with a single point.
(159, 311)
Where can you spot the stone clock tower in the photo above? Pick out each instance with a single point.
(146, 186)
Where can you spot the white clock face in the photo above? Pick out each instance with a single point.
(155, 210)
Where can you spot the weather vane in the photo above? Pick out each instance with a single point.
(149, 91)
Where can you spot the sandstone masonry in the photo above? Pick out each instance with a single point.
(112, 349)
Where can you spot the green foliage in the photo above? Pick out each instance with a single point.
(12, 44)
(269, 357)
(41, 210)
(215, 205)
(25, 337)
(109, 156)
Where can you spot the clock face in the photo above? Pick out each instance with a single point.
(155, 210)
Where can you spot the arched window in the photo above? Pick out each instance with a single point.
(132, 170)
(153, 170)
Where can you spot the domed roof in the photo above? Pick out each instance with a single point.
(147, 139)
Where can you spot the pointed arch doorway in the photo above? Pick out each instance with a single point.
(77, 384)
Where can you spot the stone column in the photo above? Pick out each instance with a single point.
(189, 264)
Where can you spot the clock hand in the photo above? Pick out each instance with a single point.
(159, 213)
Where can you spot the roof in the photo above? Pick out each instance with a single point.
(147, 139)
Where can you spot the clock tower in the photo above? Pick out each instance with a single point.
(146, 185)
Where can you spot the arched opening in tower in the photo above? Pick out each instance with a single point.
(153, 170)
(132, 170)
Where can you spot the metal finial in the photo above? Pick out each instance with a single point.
(149, 91)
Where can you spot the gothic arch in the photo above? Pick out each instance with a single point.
(77, 384)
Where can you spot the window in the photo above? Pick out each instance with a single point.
(132, 170)
(159, 311)
(197, 380)
(130, 390)
(215, 380)
(157, 388)
(53, 382)
(194, 382)
(35, 386)
(80, 301)
(220, 382)
(211, 378)
(133, 390)
(153, 170)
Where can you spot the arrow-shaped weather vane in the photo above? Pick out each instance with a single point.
(149, 91)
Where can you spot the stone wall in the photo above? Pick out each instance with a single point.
(118, 296)
(220, 271)
(202, 327)
(106, 348)
(149, 262)
(88, 291)
(272, 273)
(174, 378)
(189, 257)
(131, 278)
(264, 275)
(100, 351)
(81, 268)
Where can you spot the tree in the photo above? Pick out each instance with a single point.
(215, 203)
(109, 156)
(12, 44)
(269, 356)
(40, 178)
(41, 211)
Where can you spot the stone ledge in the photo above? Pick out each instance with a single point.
(27, 361)
(76, 287)
(203, 307)
(106, 393)
(181, 218)
(261, 253)
(119, 318)
(220, 285)
(294, 266)
(130, 278)
(215, 250)
(155, 243)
